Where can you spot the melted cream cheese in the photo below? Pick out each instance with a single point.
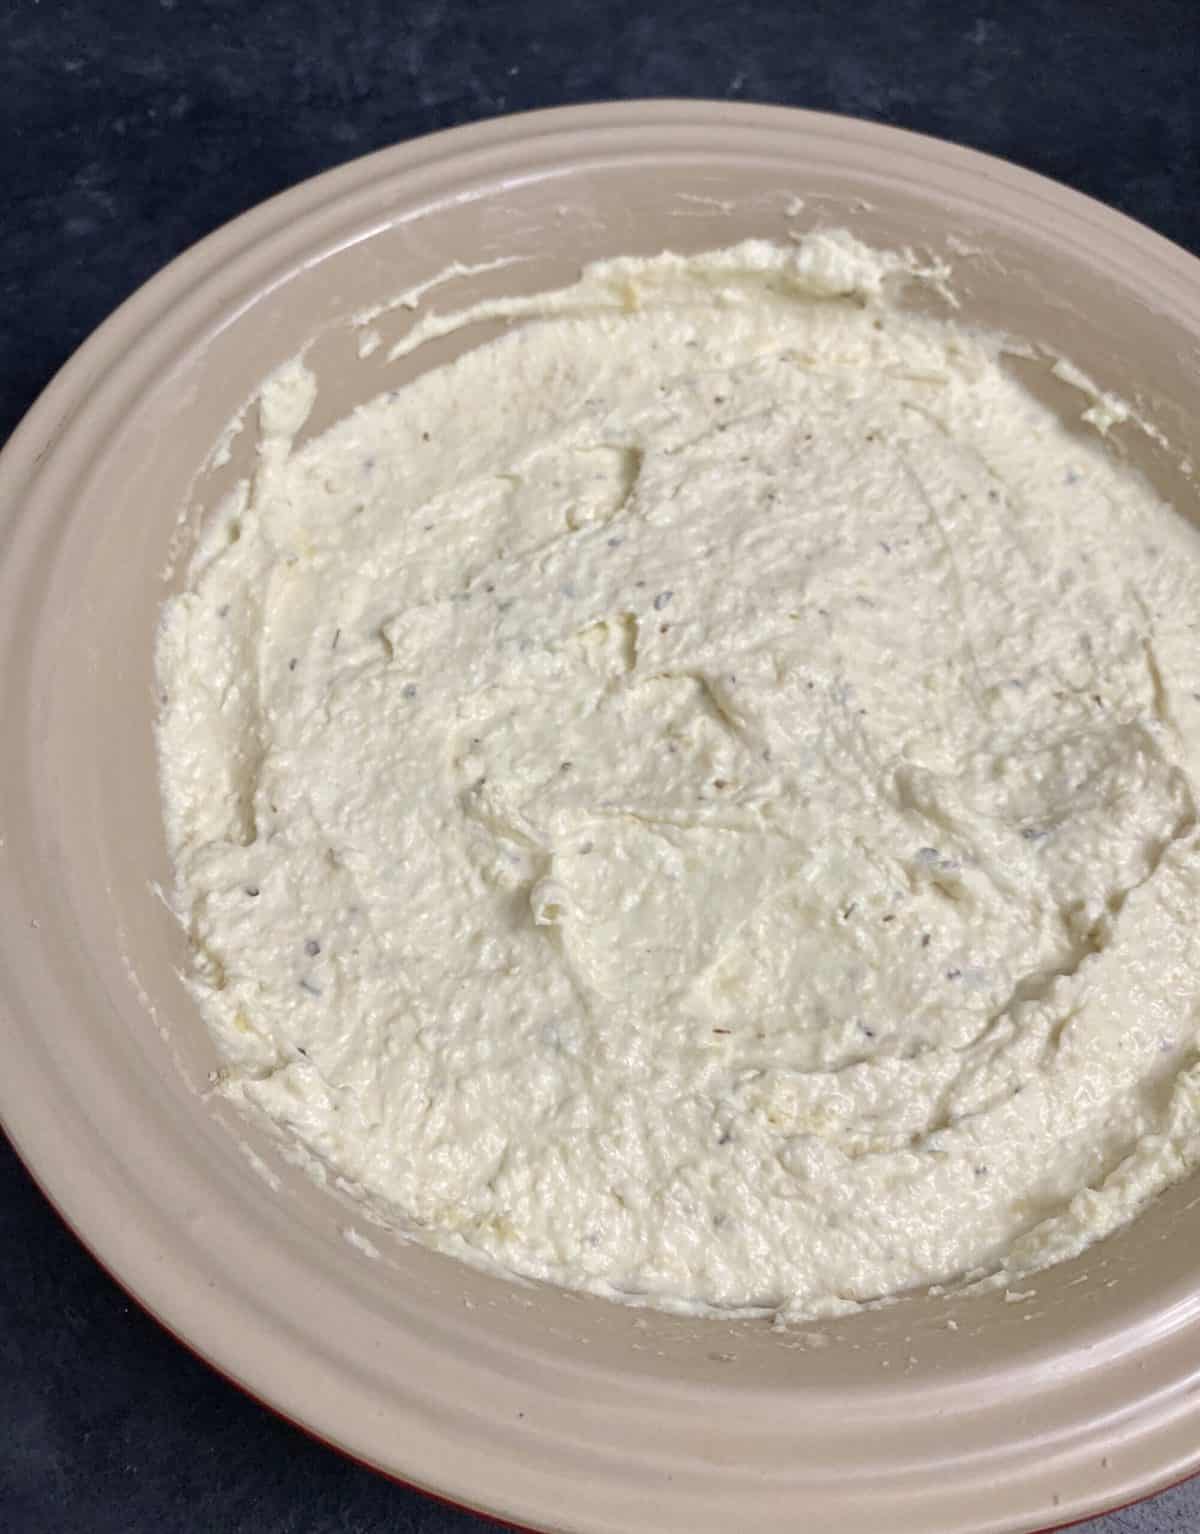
(695, 800)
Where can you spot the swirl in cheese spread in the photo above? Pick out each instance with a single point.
(695, 800)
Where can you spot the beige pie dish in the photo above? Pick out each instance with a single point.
(934, 1414)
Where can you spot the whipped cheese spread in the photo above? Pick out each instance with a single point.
(695, 800)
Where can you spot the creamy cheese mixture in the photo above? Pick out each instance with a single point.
(696, 799)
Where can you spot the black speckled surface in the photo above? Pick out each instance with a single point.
(127, 131)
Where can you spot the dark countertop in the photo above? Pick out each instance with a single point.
(127, 131)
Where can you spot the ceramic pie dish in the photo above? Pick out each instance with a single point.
(965, 1414)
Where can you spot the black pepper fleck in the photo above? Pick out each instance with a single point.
(252, 890)
(293, 663)
(410, 690)
(312, 948)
